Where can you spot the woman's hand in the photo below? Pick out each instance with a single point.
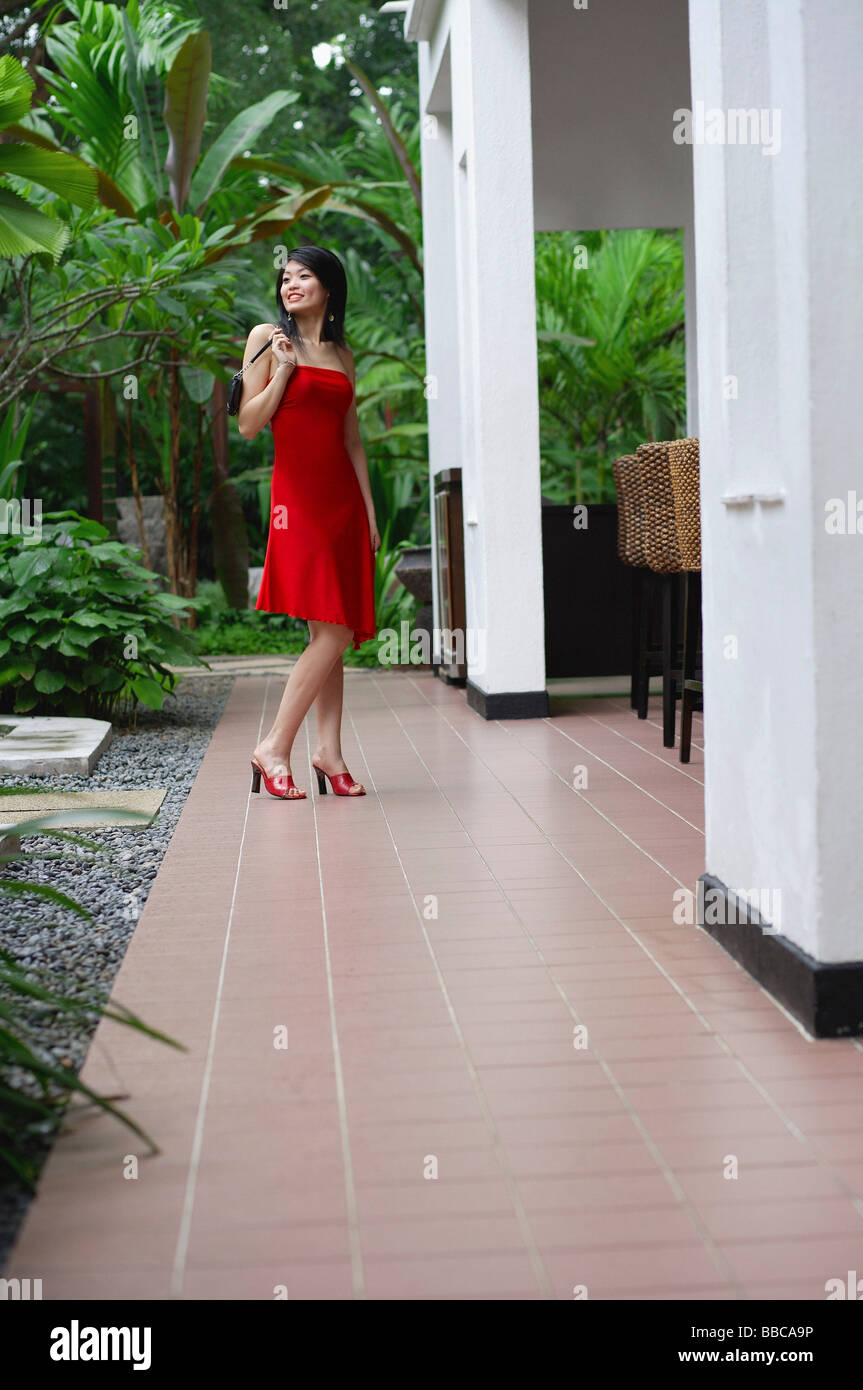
(283, 349)
(374, 533)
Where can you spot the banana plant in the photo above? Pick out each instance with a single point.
(106, 65)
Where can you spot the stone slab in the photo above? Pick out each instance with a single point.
(40, 745)
(78, 809)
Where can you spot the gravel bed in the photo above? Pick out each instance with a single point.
(164, 750)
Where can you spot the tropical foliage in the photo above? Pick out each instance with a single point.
(611, 353)
(84, 629)
(153, 292)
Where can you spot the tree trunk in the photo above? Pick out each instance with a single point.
(191, 576)
(108, 420)
(230, 537)
(173, 537)
(136, 487)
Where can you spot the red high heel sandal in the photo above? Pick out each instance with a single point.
(341, 782)
(279, 785)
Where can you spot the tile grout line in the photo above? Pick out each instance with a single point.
(714, 1251)
(531, 1248)
(597, 758)
(793, 1129)
(776, 1003)
(652, 723)
(675, 765)
(183, 1234)
(357, 1275)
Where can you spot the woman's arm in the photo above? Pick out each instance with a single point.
(357, 453)
(259, 400)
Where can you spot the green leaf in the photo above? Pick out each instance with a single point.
(17, 670)
(16, 90)
(88, 619)
(406, 431)
(49, 682)
(87, 530)
(184, 111)
(49, 636)
(198, 384)
(15, 604)
(239, 135)
(148, 692)
(53, 169)
(74, 644)
(44, 890)
(24, 230)
(30, 562)
(24, 701)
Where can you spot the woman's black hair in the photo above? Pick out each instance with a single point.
(331, 273)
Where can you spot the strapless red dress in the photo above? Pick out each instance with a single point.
(319, 562)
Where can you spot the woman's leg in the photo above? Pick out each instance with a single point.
(326, 644)
(328, 711)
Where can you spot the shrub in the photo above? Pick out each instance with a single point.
(84, 628)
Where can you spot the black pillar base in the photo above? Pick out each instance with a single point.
(826, 997)
(520, 704)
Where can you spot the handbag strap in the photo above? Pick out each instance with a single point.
(257, 354)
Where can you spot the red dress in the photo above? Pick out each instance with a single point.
(319, 562)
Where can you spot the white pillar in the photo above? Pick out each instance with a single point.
(494, 296)
(690, 298)
(443, 389)
(779, 268)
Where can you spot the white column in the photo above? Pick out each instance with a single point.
(443, 390)
(779, 270)
(690, 297)
(496, 325)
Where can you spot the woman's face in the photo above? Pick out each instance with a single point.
(301, 290)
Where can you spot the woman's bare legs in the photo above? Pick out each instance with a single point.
(313, 666)
(328, 711)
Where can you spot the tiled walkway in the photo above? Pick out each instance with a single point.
(433, 953)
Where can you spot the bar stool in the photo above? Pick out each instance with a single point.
(662, 553)
(685, 481)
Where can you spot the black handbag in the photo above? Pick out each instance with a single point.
(235, 390)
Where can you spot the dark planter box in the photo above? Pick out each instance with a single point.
(588, 594)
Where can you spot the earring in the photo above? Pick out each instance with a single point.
(331, 317)
(290, 316)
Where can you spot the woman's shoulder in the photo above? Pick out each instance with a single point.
(261, 331)
(346, 355)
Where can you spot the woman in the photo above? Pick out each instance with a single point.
(320, 559)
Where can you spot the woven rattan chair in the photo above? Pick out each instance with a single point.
(646, 652)
(661, 544)
(685, 486)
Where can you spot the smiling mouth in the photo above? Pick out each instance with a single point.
(295, 296)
